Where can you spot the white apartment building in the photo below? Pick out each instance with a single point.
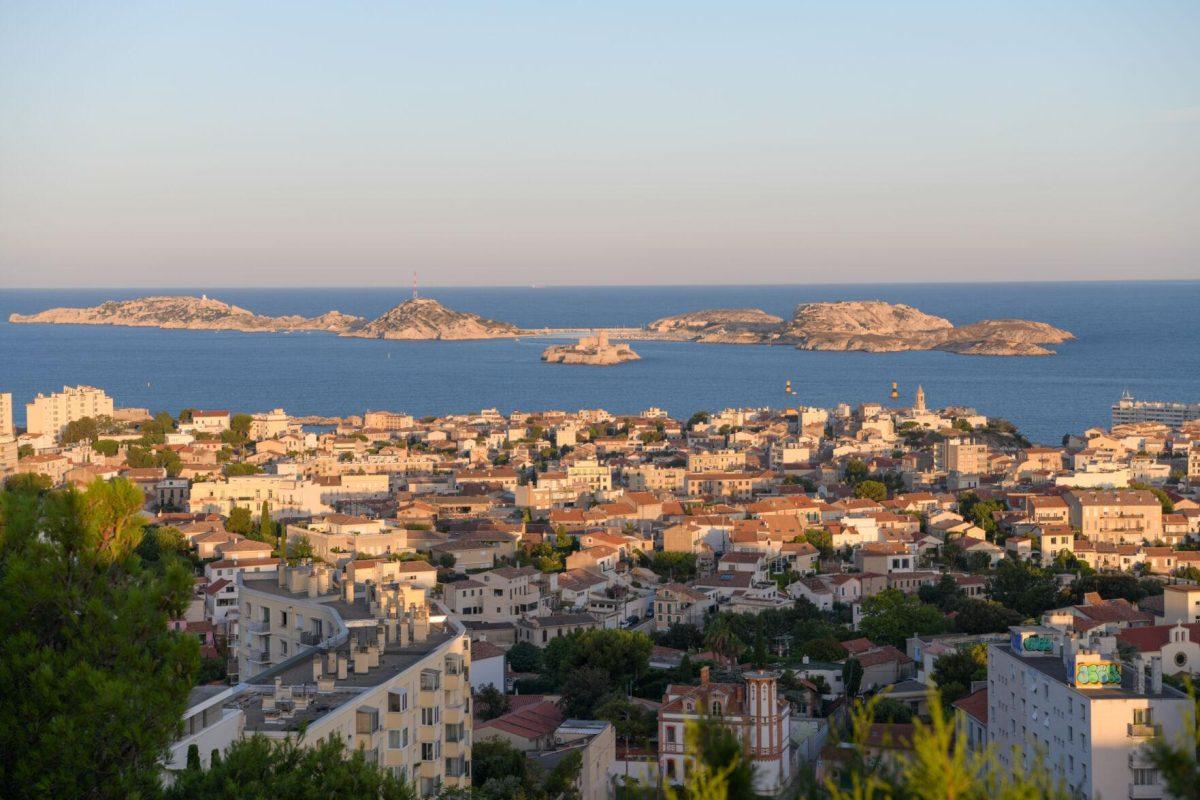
(378, 668)
(590, 472)
(9, 449)
(6, 415)
(287, 496)
(49, 414)
(1086, 715)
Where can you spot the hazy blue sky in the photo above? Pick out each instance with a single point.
(255, 143)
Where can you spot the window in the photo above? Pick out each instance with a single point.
(1145, 777)
(396, 740)
(431, 716)
(398, 701)
(670, 738)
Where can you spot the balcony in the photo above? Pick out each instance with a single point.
(257, 626)
(258, 657)
(310, 638)
(1148, 791)
(1137, 731)
(427, 734)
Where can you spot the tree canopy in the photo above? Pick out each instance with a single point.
(892, 616)
(258, 768)
(95, 682)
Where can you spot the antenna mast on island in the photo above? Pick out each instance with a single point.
(414, 284)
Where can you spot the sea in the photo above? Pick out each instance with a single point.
(1140, 337)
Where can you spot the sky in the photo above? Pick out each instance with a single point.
(299, 143)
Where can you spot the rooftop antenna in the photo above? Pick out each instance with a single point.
(414, 284)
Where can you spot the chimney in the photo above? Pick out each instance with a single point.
(341, 667)
(281, 575)
(1139, 674)
(317, 667)
(1156, 674)
(704, 675)
(348, 590)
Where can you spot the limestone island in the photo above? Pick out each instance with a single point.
(594, 351)
(425, 318)
(418, 318)
(189, 313)
(871, 326)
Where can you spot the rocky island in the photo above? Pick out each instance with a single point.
(418, 318)
(864, 325)
(593, 351)
(426, 318)
(189, 313)
(721, 325)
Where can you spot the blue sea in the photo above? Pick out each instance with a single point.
(1138, 336)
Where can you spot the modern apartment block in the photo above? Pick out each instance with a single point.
(961, 455)
(371, 663)
(1127, 410)
(1075, 706)
(49, 414)
(9, 450)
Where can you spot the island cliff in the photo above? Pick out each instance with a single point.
(725, 325)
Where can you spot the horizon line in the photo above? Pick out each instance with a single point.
(740, 284)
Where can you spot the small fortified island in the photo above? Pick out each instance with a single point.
(871, 326)
(593, 351)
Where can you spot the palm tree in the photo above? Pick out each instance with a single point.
(724, 643)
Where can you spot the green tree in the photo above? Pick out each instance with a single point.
(266, 527)
(25, 451)
(299, 548)
(943, 765)
(723, 641)
(258, 768)
(954, 672)
(1024, 588)
(871, 490)
(891, 710)
(975, 616)
(820, 539)
(492, 702)
(681, 636)
(239, 521)
(235, 468)
(856, 471)
(95, 682)
(106, 447)
(892, 616)
(583, 689)
(634, 723)
(493, 759)
(721, 752)
(524, 657)
(852, 673)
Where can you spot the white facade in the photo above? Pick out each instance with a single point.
(1089, 732)
(49, 414)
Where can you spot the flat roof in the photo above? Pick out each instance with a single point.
(1053, 667)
